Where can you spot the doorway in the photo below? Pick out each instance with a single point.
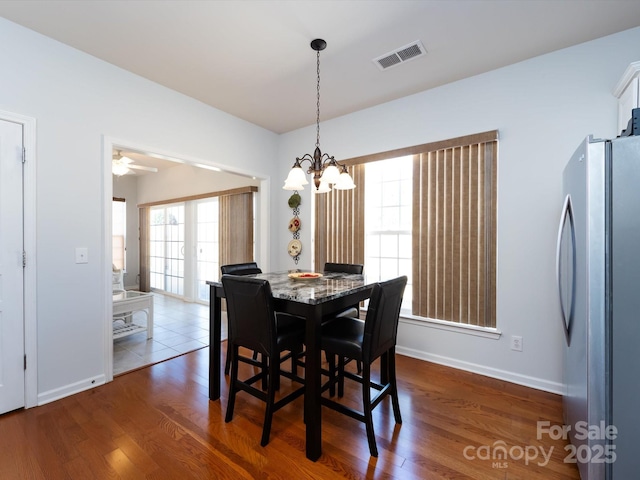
(175, 269)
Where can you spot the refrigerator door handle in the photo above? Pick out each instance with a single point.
(566, 216)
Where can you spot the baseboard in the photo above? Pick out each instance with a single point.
(81, 386)
(524, 380)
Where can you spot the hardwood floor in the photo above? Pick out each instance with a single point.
(158, 423)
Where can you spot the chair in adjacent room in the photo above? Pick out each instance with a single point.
(253, 325)
(349, 338)
(248, 268)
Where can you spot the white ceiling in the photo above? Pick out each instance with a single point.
(252, 58)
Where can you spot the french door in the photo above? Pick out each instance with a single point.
(184, 248)
(207, 245)
(167, 248)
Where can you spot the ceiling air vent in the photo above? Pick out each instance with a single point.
(400, 55)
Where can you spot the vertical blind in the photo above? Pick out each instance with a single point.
(454, 234)
(236, 228)
(339, 223)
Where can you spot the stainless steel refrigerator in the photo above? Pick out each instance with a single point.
(598, 269)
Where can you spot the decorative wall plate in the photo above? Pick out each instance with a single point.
(294, 248)
(294, 224)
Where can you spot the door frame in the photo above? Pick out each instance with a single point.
(30, 269)
(261, 231)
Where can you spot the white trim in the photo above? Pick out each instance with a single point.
(65, 391)
(525, 380)
(105, 256)
(30, 271)
(632, 71)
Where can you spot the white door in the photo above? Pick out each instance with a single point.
(12, 379)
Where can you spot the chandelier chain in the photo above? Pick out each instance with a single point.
(318, 102)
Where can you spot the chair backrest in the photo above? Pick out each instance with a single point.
(249, 268)
(250, 314)
(344, 267)
(381, 324)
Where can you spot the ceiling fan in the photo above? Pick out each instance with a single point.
(121, 165)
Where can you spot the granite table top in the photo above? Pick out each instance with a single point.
(330, 286)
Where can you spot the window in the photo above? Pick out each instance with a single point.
(429, 214)
(119, 233)
(387, 221)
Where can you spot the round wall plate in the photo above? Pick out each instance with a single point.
(294, 248)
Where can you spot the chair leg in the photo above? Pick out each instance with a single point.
(276, 377)
(394, 387)
(331, 359)
(265, 373)
(341, 363)
(274, 373)
(227, 363)
(367, 410)
(232, 353)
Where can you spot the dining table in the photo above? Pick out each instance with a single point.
(303, 296)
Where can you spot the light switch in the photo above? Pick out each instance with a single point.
(82, 255)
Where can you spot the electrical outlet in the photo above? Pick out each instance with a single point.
(516, 343)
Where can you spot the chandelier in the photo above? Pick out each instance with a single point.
(325, 169)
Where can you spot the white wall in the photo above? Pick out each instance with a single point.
(79, 102)
(543, 108)
(185, 180)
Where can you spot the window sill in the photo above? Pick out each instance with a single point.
(485, 332)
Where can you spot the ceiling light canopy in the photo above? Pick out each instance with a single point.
(325, 169)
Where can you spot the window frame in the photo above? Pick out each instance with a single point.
(114, 243)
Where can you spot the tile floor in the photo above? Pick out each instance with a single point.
(178, 327)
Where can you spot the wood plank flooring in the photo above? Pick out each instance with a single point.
(158, 423)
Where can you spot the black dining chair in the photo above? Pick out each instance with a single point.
(248, 268)
(253, 325)
(353, 311)
(349, 338)
(357, 268)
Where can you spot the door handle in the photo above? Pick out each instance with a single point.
(566, 215)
